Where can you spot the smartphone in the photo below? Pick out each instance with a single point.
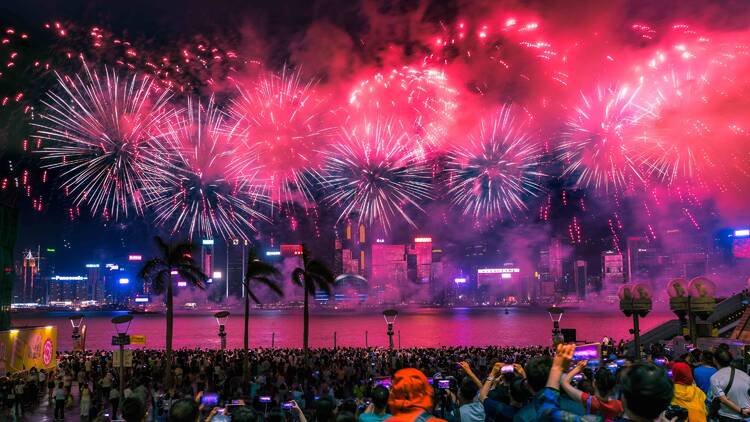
(587, 352)
(507, 369)
(612, 367)
(383, 382)
(669, 373)
(444, 384)
(578, 378)
(210, 399)
(264, 399)
(430, 381)
(287, 406)
(660, 361)
(239, 402)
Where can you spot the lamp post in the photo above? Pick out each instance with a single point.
(77, 322)
(122, 324)
(555, 314)
(635, 301)
(390, 318)
(221, 319)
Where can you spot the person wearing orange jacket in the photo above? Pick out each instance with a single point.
(411, 398)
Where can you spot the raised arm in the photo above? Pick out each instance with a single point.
(465, 366)
(571, 391)
(487, 386)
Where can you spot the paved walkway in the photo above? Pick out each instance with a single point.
(46, 413)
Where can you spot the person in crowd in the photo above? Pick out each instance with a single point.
(646, 391)
(469, 408)
(60, 396)
(133, 410)
(600, 403)
(84, 404)
(377, 410)
(537, 372)
(248, 414)
(498, 410)
(735, 402)
(184, 410)
(411, 397)
(703, 372)
(687, 394)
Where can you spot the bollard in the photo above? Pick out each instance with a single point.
(399, 339)
(273, 339)
(334, 340)
(366, 345)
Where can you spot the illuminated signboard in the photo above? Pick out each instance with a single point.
(182, 284)
(742, 233)
(379, 240)
(173, 272)
(52, 250)
(290, 250)
(92, 265)
(141, 300)
(208, 242)
(217, 275)
(124, 281)
(135, 257)
(459, 280)
(273, 253)
(506, 275)
(112, 267)
(498, 270)
(422, 239)
(69, 278)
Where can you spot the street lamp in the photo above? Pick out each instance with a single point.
(702, 304)
(555, 314)
(122, 324)
(679, 302)
(221, 319)
(635, 300)
(390, 318)
(77, 322)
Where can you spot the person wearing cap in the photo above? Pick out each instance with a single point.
(687, 394)
(411, 397)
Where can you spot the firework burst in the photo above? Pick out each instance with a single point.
(285, 123)
(421, 101)
(99, 127)
(374, 174)
(200, 191)
(599, 143)
(494, 175)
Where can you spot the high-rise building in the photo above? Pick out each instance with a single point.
(235, 271)
(613, 273)
(207, 256)
(580, 277)
(419, 260)
(67, 288)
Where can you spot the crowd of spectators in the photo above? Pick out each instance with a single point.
(455, 384)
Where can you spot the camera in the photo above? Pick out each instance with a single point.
(676, 411)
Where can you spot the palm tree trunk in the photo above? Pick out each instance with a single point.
(170, 322)
(306, 322)
(245, 361)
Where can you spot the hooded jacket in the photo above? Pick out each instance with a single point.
(410, 397)
(687, 394)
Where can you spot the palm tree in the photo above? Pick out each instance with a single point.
(175, 258)
(263, 273)
(311, 276)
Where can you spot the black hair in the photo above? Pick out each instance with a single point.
(647, 390)
(133, 410)
(467, 390)
(276, 415)
(605, 381)
(348, 406)
(244, 414)
(183, 410)
(707, 356)
(380, 397)
(324, 410)
(519, 392)
(537, 372)
(346, 417)
(723, 357)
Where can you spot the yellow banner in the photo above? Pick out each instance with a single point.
(25, 348)
(137, 339)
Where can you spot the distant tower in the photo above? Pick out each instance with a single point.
(29, 273)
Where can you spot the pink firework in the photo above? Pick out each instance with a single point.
(286, 123)
(599, 143)
(98, 131)
(199, 192)
(420, 103)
